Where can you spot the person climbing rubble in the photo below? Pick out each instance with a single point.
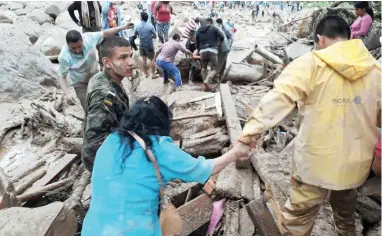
(78, 61)
(337, 89)
(106, 99)
(146, 33)
(166, 55)
(207, 45)
(89, 13)
(125, 189)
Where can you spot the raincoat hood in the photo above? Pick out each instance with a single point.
(350, 58)
(205, 28)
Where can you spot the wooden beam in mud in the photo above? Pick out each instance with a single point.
(195, 213)
(232, 120)
(262, 218)
(54, 170)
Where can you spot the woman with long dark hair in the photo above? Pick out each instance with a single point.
(360, 27)
(125, 189)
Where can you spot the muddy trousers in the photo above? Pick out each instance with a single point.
(81, 89)
(301, 209)
(209, 59)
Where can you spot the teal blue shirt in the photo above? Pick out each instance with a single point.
(80, 68)
(125, 197)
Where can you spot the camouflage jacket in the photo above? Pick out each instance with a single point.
(106, 101)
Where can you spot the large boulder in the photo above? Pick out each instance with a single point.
(8, 17)
(64, 21)
(13, 6)
(21, 12)
(51, 40)
(4, 19)
(53, 11)
(51, 219)
(31, 29)
(23, 69)
(39, 16)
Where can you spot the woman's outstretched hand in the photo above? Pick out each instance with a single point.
(242, 151)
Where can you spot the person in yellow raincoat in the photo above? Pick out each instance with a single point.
(337, 90)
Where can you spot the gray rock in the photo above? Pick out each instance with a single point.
(375, 231)
(51, 40)
(31, 29)
(21, 12)
(53, 11)
(13, 6)
(297, 49)
(23, 69)
(5, 19)
(39, 16)
(64, 21)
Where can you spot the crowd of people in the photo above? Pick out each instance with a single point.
(337, 88)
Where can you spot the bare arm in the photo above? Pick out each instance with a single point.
(114, 31)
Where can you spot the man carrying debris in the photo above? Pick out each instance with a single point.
(207, 45)
(106, 99)
(146, 33)
(89, 13)
(338, 92)
(78, 61)
(166, 55)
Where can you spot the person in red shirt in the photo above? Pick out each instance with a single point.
(162, 15)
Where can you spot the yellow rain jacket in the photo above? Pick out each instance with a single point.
(338, 92)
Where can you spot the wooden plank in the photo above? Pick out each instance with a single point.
(195, 213)
(54, 170)
(218, 104)
(232, 120)
(262, 218)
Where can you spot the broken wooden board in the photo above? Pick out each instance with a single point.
(54, 170)
(232, 120)
(262, 218)
(52, 219)
(368, 209)
(195, 213)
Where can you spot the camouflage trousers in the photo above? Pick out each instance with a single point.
(301, 209)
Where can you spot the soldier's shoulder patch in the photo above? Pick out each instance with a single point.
(109, 99)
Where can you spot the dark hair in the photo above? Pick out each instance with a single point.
(219, 21)
(148, 116)
(192, 33)
(365, 5)
(209, 19)
(332, 27)
(144, 16)
(176, 37)
(73, 36)
(111, 42)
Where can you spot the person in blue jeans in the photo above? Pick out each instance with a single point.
(124, 185)
(165, 59)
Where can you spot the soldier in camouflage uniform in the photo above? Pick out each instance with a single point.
(106, 99)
